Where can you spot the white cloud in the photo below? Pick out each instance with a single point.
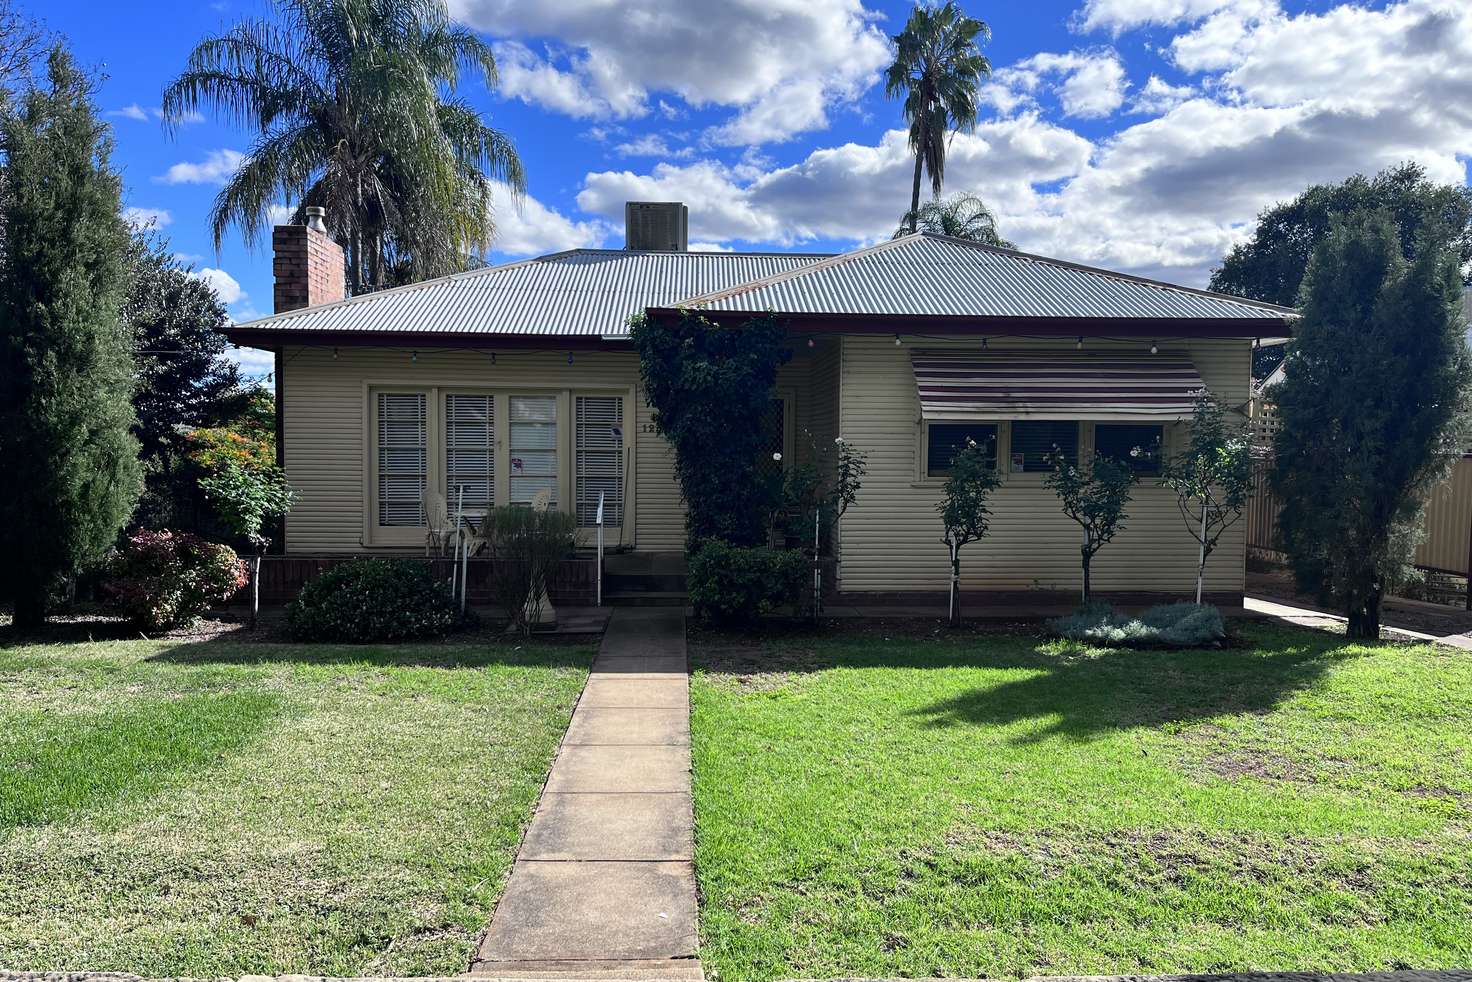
(217, 168)
(652, 145)
(138, 113)
(279, 214)
(530, 228)
(1165, 197)
(147, 217)
(1159, 96)
(134, 111)
(781, 65)
(254, 363)
(226, 287)
(1091, 84)
(1118, 16)
(852, 192)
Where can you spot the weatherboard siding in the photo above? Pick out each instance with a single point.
(327, 432)
(891, 537)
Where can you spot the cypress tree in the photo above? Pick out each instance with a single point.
(1373, 408)
(66, 364)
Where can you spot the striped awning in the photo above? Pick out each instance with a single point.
(1054, 384)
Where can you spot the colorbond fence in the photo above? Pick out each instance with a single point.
(1447, 547)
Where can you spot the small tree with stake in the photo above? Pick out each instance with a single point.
(1094, 496)
(963, 509)
(1212, 479)
(247, 499)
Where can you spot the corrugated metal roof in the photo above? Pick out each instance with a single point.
(926, 275)
(1052, 384)
(590, 292)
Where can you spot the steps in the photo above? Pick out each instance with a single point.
(645, 579)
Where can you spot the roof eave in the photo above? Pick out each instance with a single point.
(273, 339)
(1096, 327)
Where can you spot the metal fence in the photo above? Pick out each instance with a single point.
(1446, 548)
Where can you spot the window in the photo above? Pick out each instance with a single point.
(774, 428)
(403, 458)
(599, 440)
(533, 449)
(470, 454)
(1034, 439)
(947, 439)
(1138, 445)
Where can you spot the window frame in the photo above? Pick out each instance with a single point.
(397, 535)
(923, 464)
(403, 537)
(1163, 427)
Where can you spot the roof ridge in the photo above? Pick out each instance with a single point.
(843, 258)
(463, 274)
(835, 259)
(1107, 273)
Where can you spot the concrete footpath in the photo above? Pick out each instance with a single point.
(604, 884)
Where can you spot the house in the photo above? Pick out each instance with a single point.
(519, 379)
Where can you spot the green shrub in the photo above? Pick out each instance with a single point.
(160, 580)
(527, 544)
(1182, 625)
(370, 600)
(733, 585)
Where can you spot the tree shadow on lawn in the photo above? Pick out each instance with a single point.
(1119, 689)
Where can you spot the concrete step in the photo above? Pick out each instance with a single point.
(643, 582)
(642, 598)
(677, 969)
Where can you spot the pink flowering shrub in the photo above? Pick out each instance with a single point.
(164, 579)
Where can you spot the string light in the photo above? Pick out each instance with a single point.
(812, 343)
(493, 357)
(414, 357)
(334, 354)
(983, 344)
(1154, 348)
(569, 357)
(897, 341)
(1079, 345)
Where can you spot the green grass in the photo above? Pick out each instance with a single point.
(996, 805)
(218, 809)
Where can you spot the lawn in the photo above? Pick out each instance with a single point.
(215, 809)
(997, 805)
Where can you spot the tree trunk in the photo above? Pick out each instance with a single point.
(255, 588)
(1364, 618)
(955, 619)
(30, 608)
(915, 192)
(1201, 560)
(1087, 556)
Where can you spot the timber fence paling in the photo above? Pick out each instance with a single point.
(1445, 548)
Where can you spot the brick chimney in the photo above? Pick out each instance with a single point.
(308, 266)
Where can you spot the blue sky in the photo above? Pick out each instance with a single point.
(1141, 135)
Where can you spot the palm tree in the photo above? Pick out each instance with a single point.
(961, 216)
(353, 103)
(937, 68)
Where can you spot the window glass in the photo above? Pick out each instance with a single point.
(1137, 445)
(470, 452)
(947, 439)
(1033, 440)
(533, 448)
(403, 458)
(599, 439)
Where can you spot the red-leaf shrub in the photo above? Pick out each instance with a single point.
(164, 579)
